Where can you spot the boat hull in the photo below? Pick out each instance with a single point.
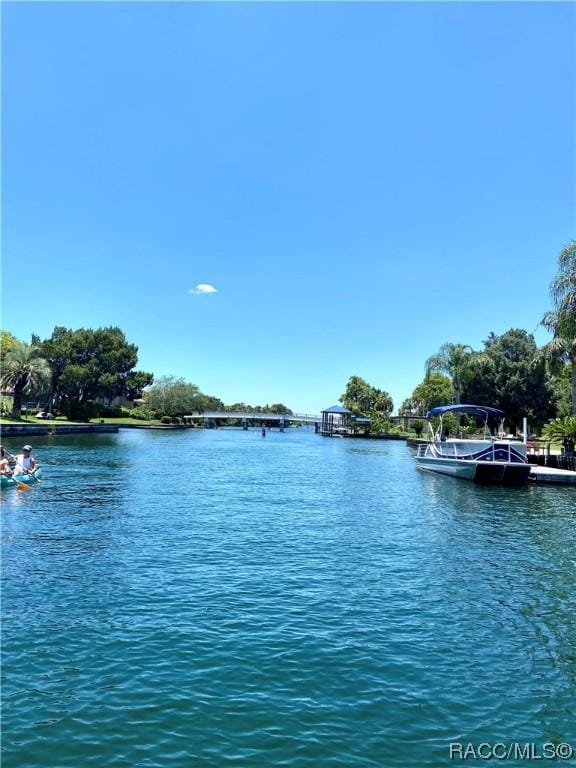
(12, 482)
(453, 467)
(517, 474)
(481, 461)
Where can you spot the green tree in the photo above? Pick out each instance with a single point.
(24, 371)
(418, 427)
(561, 322)
(363, 399)
(174, 396)
(435, 389)
(280, 408)
(135, 383)
(211, 403)
(563, 289)
(454, 361)
(7, 342)
(89, 365)
(560, 384)
(511, 375)
(559, 430)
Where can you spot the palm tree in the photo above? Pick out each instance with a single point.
(24, 371)
(563, 288)
(453, 360)
(560, 429)
(562, 348)
(561, 322)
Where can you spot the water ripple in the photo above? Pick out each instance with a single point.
(292, 601)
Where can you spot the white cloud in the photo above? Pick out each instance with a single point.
(203, 288)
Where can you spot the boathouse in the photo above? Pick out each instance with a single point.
(338, 421)
(335, 421)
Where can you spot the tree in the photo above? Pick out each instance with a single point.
(560, 384)
(453, 360)
(7, 342)
(561, 350)
(91, 364)
(173, 396)
(418, 427)
(561, 322)
(211, 403)
(239, 408)
(511, 375)
(135, 383)
(559, 430)
(563, 289)
(280, 408)
(361, 398)
(24, 371)
(436, 389)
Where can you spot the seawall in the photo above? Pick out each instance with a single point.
(14, 430)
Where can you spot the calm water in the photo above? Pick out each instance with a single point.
(209, 598)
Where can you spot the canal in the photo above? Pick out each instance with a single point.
(212, 597)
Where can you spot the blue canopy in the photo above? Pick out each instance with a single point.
(475, 410)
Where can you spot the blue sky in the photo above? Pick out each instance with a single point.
(360, 183)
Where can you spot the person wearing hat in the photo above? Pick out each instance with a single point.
(25, 462)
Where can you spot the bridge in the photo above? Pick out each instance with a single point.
(244, 416)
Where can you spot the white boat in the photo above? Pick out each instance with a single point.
(489, 460)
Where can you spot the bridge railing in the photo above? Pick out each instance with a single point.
(259, 416)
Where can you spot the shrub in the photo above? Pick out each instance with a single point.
(5, 406)
(75, 411)
(175, 420)
(143, 414)
(418, 427)
(166, 420)
(112, 412)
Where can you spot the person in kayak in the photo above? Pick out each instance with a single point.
(5, 463)
(25, 462)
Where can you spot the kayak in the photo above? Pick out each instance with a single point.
(12, 482)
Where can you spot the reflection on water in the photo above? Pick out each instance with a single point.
(290, 601)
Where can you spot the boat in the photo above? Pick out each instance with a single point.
(487, 460)
(17, 480)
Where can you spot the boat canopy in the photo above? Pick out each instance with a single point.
(474, 410)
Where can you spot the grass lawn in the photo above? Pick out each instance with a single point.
(34, 420)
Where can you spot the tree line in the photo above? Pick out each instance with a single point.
(72, 371)
(510, 372)
(80, 373)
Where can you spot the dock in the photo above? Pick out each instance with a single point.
(552, 475)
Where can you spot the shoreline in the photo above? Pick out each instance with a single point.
(15, 430)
